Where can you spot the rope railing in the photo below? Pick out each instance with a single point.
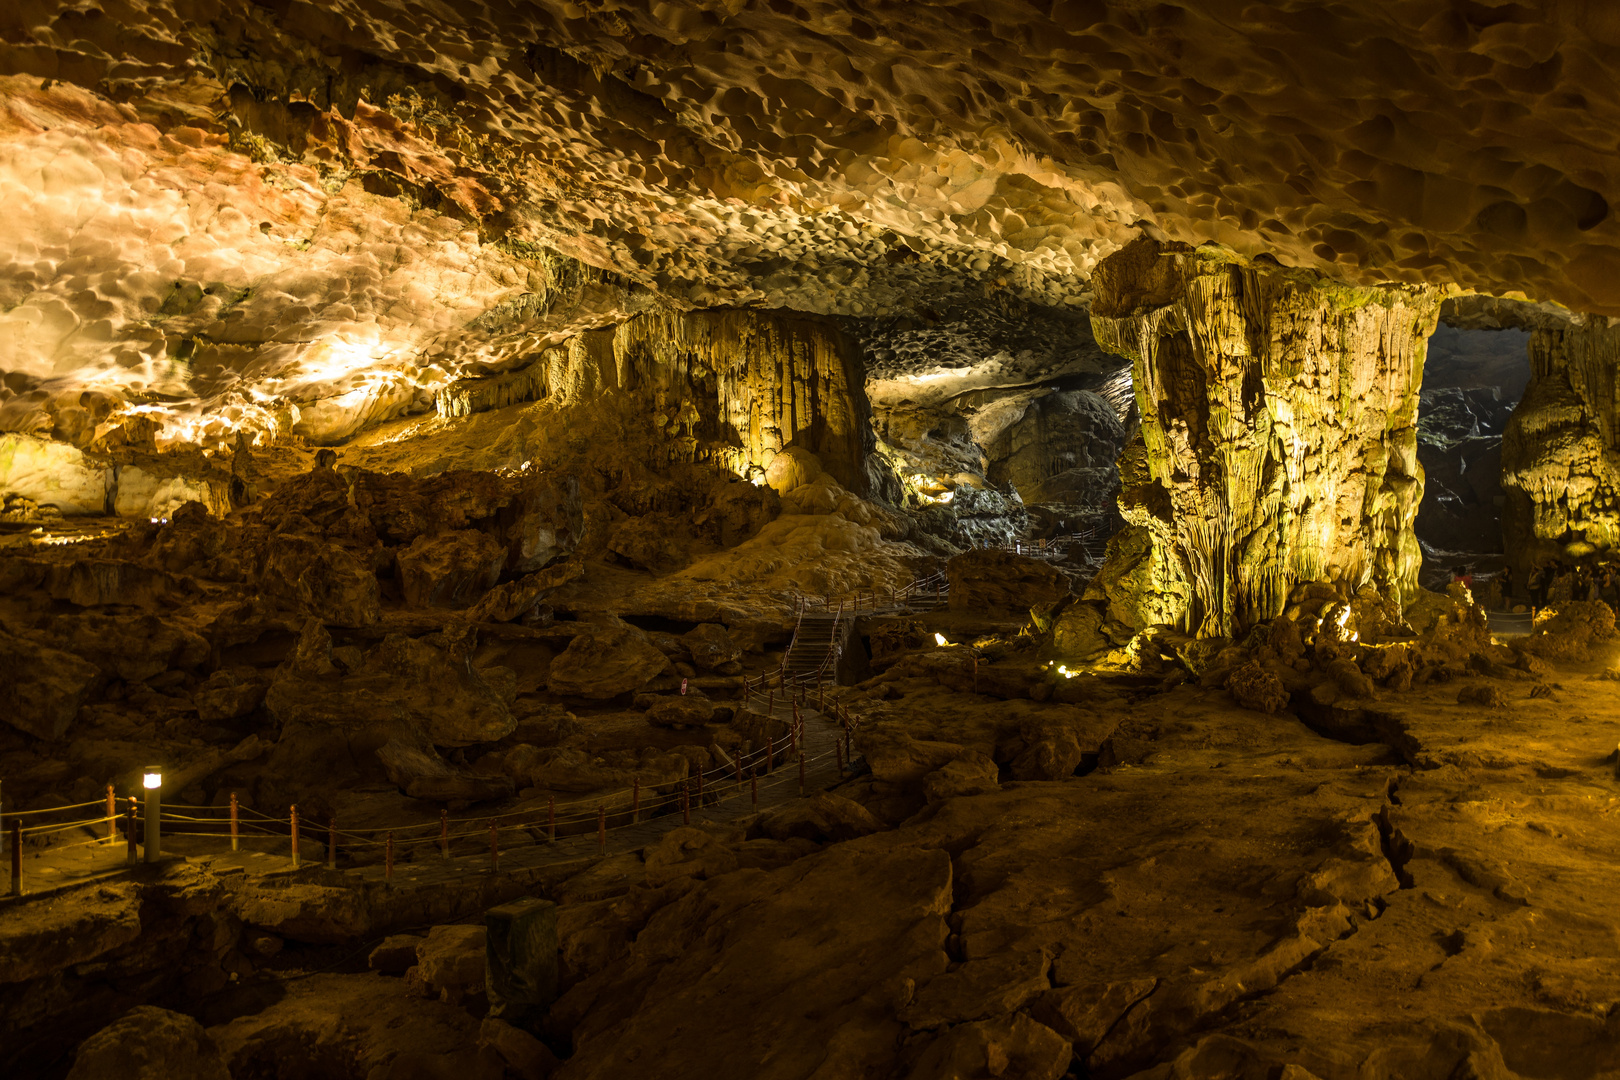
(743, 773)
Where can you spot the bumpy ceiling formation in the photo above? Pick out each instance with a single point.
(263, 216)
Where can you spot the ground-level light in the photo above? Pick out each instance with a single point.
(152, 779)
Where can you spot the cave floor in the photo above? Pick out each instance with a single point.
(1225, 894)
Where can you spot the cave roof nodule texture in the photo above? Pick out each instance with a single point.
(260, 216)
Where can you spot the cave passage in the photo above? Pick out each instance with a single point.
(1472, 381)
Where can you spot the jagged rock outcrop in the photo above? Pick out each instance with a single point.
(1561, 451)
(1279, 435)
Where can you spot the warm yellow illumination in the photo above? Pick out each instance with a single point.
(152, 780)
(1066, 673)
(939, 639)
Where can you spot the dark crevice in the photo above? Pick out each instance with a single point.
(1397, 848)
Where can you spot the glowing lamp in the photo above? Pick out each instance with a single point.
(939, 639)
(152, 780)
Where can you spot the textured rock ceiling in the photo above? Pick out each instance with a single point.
(215, 210)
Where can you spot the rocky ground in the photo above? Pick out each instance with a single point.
(1039, 873)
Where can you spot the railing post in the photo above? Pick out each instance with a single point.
(112, 815)
(838, 747)
(129, 832)
(235, 834)
(801, 772)
(686, 804)
(494, 848)
(770, 752)
(292, 816)
(16, 856)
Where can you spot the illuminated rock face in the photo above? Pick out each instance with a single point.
(1278, 439)
(1561, 452)
(731, 387)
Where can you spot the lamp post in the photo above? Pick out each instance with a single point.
(152, 779)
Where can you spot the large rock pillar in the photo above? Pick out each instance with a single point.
(1561, 450)
(1278, 440)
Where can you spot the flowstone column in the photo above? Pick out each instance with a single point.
(1561, 450)
(1279, 434)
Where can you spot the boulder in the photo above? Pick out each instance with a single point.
(790, 468)
(229, 693)
(711, 647)
(451, 569)
(822, 817)
(682, 711)
(991, 580)
(1253, 687)
(972, 774)
(450, 962)
(1052, 752)
(1485, 695)
(605, 660)
(516, 599)
(309, 575)
(396, 955)
(43, 688)
(651, 542)
(415, 766)
(148, 1043)
(525, 1056)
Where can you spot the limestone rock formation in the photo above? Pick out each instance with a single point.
(1561, 452)
(1278, 439)
(606, 660)
(451, 569)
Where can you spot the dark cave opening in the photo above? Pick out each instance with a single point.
(1472, 382)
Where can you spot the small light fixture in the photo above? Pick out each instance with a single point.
(152, 779)
(939, 639)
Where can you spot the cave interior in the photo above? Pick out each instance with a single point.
(802, 540)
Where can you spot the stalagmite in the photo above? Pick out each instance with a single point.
(1278, 441)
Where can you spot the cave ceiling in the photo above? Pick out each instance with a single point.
(218, 213)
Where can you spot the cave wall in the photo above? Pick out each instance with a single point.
(1278, 440)
(1561, 451)
(732, 387)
